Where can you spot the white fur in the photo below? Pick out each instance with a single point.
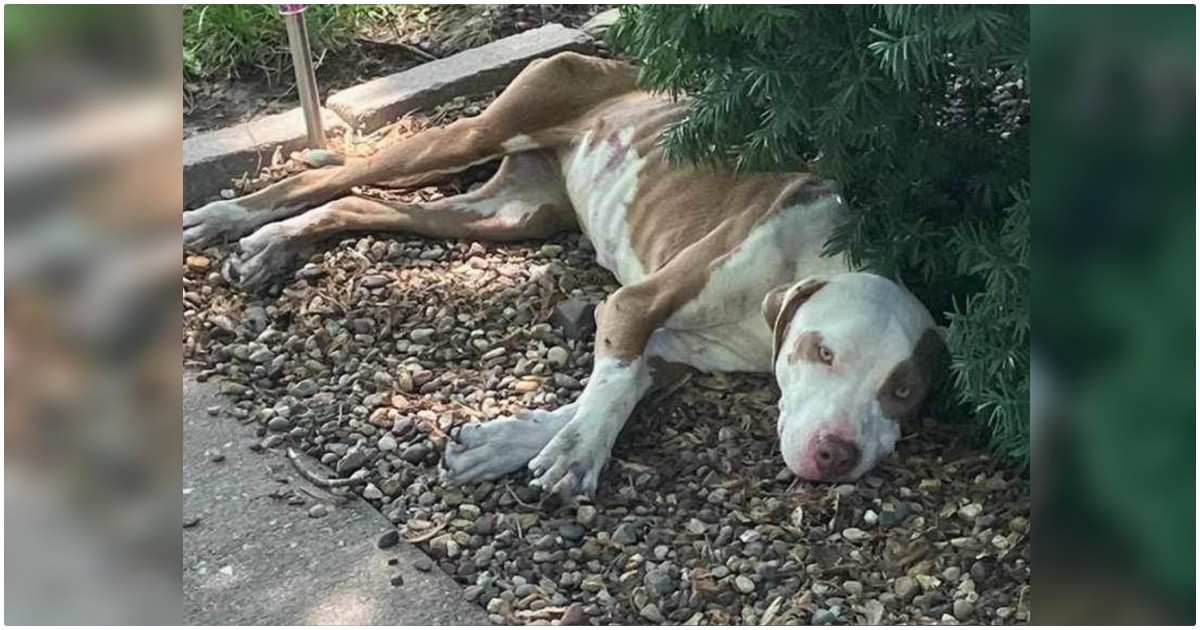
(601, 177)
(723, 328)
(573, 459)
(227, 220)
(870, 324)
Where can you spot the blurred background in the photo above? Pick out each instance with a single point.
(93, 368)
(92, 364)
(1114, 416)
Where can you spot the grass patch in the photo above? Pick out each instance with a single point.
(222, 41)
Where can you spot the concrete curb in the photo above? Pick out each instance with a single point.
(211, 160)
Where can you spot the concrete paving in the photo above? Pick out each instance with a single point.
(254, 559)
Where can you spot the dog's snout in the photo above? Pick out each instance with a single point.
(836, 457)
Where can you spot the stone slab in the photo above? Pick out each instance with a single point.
(601, 22)
(255, 560)
(212, 159)
(470, 73)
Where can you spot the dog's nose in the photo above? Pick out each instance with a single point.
(836, 457)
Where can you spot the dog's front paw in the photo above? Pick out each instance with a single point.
(217, 222)
(260, 257)
(487, 450)
(570, 464)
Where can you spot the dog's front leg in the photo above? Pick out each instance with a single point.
(571, 463)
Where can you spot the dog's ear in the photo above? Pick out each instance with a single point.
(781, 303)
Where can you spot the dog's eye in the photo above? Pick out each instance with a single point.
(901, 392)
(826, 354)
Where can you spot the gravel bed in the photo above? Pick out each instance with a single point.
(369, 351)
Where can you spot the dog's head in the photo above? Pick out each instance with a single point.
(855, 355)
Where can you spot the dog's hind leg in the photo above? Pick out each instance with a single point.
(524, 200)
(538, 110)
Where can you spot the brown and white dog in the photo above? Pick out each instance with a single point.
(719, 271)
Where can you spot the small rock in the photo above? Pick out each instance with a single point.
(576, 317)
(388, 539)
(453, 497)
(823, 617)
(415, 453)
(874, 610)
(891, 518)
(854, 534)
(624, 534)
(318, 158)
(198, 263)
(374, 281)
(486, 525)
(526, 386)
(397, 580)
(557, 356)
(214, 410)
(963, 608)
(421, 335)
(970, 511)
(279, 424)
(905, 588)
(592, 584)
(979, 571)
(573, 532)
(650, 613)
(371, 492)
(586, 515)
(951, 574)
(190, 522)
(424, 565)
(304, 389)
(744, 584)
(574, 616)
(318, 510)
(659, 582)
(564, 380)
(387, 443)
(354, 459)
(217, 458)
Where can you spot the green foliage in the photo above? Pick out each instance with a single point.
(224, 40)
(900, 106)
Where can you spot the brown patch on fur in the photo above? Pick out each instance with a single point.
(914, 376)
(808, 348)
(779, 313)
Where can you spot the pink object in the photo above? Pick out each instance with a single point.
(290, 9)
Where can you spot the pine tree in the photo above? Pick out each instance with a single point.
(920, 113)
